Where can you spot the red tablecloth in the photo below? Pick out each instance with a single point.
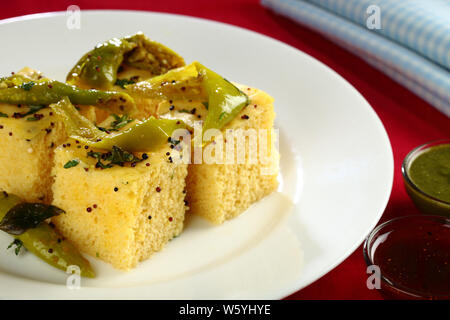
(409, 120)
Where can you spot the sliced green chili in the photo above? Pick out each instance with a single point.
(99, 67)
(195, 81)
(44, 241)
(146, 135)
(46, 91)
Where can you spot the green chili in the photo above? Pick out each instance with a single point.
(146, 135)
(46, 243)
(195, 81)
(99, 67)
(46, 91)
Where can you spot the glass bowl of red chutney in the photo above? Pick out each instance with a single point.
(412, 254)
(426, 175)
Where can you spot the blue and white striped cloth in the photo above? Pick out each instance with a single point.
(412, 45)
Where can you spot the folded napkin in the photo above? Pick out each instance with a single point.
(412, 45)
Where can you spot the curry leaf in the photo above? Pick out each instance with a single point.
(24, 216)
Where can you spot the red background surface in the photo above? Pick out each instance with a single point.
(409, 120)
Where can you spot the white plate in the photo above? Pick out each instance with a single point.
(336, 167)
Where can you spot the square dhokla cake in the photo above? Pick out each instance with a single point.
(26, 151)
(28, 136)
(219, 192)
(121, 214)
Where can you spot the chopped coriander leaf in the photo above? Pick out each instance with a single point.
(71, 163)
(99, 156)
(123, 82)
(120, 121)
(115, 157)
(33, 109)
(33, 118)
(103, 129)
(100, 164)
(4, 115)
(222, 115)
(96, 155)
(206, 105)
(28, 85)
(18, 244)
(184, 110)
(119, 156)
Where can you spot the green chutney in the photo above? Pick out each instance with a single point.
(430, 172)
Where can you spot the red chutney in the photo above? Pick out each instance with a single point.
(415, 258)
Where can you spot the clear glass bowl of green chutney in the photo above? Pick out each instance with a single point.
(426, 174)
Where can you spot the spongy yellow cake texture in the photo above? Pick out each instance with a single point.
(219, 192)
(121, 215)
(26, 151)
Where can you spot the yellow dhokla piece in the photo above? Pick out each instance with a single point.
(219, 192)
(122, 215)
(27, 144)
(26, 151)
(26, 148)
